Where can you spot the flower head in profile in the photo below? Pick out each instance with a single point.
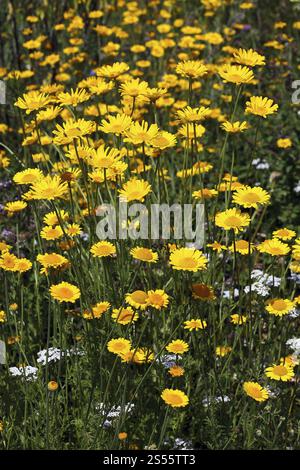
(141, 133)
(137, 299)
(133, 88)
(256, 391)
(112, 71)
(273, 247)
(116, 125)
(15, 206)
(124, 315)
(195, 324)
(28, 176)
(236, 74)
(188, 259)
(144, 254)
(33, 101)
(249, 57)
(234, 127)
(135, 190)
(48, 188)
(260, 106)
(65, 292)
(232, 219)
(174, 398)
(191, 69)
(72, 130)
(73, 98)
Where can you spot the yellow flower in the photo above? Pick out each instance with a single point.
(52, 219)
(65, 292)
(163, 140)
(188, 259)
(116, 125)
(124, 315)
(232, 219)
(158, 298)
(28, 176)
(260, 106)
(273, 247)
(8, 261)
(223, 350)
(177, 346)
(242, 247)
(48, 114)
(249, 57)
(133, 88)
(284, 234)
(135, 190)
(2, 316)
(191, 69)
(51, 260)
(97, 311)
(73, 98)
(33, 100)
(22, 265)
(256, 391)
(250, 197)
(15, 206)
(234, 127)
(195, 324)
(112, 71)
(137, 299)
(282, 372)
(103, 249)
(51, 233)
(189, 114)
(284, 143)
(205, 193)
(72, 130)
(48, 188)
(119, 346)
(238, 319)
(279, 307)
(141, 133)
(137, 356)
(236, 74)
(174, 397)
(144, 254)
(52, 386)
(176, 371)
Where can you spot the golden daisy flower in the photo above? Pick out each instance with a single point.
(119, 346)
(260, 106)
(284, 234)
(232, 219)
(256, 391)
(158, 299)
(73, 98)
(72, 130)
(144, 254)
(22, 265)
(65, 292)
(237, 319)
(195, 324)
(135, 190)
(188, 259)
(164, 140)
(236, 74)
(103, 249)
(28, 176)
(191, 69)
(15, 206)
(177, 346)
(249, 57)
(51, 233)
(124, 315)
(280, 307)
(234, 127)
(174, 398)
(133, 88)
(116, 125)
(273, 247)
(223, 350)
(189, 114)
(96, 311)
(281, 372)
(242, 247)
(141, 133)
(137, 299)
(48, 188)
(284, 143)
(251, 197)
(176, 371)
(8, 261)
(33, 101)
(112, 71)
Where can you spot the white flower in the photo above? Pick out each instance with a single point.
(27, 372)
